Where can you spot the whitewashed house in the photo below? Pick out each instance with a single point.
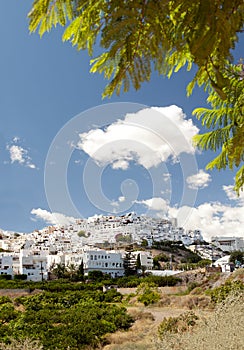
(109, 262)
(33, 264)
(224, 263)
(6, 264)
(228, 244)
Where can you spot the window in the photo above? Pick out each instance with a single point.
(91, 257)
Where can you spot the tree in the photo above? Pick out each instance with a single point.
(138, 262)
(60, 271)
(136, 36)
(147, 293)
(95, 275)
(71, 271)
(237, 255)
(80, 272)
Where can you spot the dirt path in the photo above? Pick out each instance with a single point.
(159, 313)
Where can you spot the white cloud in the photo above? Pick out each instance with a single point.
(19, 155)
(213, 219)
(199, 180)
(166, 177)
(116, 204)
(231, 194)
(156, 203)
(52, 218)
(121, 164)
(16, 139)
(148, 137)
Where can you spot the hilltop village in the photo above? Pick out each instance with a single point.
(100, 243)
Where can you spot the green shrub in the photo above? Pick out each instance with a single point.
(5, 277)
(112, 296)
(22, 277)
(62, 320)
(5, 299)
(7, 313)
(147, 293)
(221, 293)
(178, 324)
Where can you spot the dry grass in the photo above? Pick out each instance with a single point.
(26, 344)
(139, 333)
(222, 331)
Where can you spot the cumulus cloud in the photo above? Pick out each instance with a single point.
(52, 218)
(116, 203)
(148, 137)
(156, 204)
(199, 180)
(213, 219)
(19, 155)
(231, 194)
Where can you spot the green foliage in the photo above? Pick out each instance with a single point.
(95, 275)
(82, 233)
(192, 258)
(135, 281)
(22, 277)
(61, 320)
(123, 238)
(168, 246)
(191, 286)
(135, 34)
(147, 293)
(80, 272)
(138, 262)
(7, 313)
(5, 299)
(60, 271)
(144, 243)
(113, 296)
(179, 324)
(237, 255)
(5, 277)
(160, 257)
(227, 120)
(138, 36)
(221, 293)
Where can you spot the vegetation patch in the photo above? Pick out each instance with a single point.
(63, 320)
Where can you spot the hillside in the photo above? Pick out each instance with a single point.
(188, 299)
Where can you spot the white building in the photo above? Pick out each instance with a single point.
(109, 262)
(228, 244)
(224, 263)
(33, 264)
(6, 264)
(146, 259)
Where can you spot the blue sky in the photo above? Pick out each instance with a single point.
(48, 98)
